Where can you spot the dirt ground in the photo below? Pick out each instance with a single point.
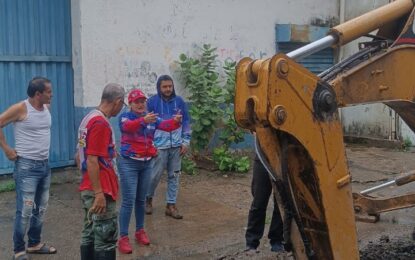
(215, 211)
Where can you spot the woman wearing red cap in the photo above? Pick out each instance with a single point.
(135, 163)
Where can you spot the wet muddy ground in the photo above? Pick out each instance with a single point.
(385, 248)
(215, 210)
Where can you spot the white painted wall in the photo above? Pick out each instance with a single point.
(134, 41)
(375, 120)
(365, 120)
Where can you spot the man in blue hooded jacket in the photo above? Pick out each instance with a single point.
(171, 145)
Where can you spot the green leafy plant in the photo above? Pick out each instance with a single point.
(407, 143)
(230, 133)
(222, 158)
(226, 161)
(242, 164)
(212, 106)
(229, 88)
(202, 81)
(7, 186)
(188, 166)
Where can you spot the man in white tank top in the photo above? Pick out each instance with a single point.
(32, 121)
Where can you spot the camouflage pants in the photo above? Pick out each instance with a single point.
(99, 230)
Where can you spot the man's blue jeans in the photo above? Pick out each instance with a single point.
(171, 160)
(134, 180)
(32, 180)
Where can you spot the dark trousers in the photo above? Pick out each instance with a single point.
(261, 189)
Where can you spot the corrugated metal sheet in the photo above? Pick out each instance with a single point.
(35, 40)
(290, 37)
(316, 63)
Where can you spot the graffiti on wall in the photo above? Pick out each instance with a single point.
(142, 74)
(139, 74)
(227, 54)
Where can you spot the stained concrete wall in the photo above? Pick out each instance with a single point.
(375, 120)
(134, 41)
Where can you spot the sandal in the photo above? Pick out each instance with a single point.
(21, 257)
(44, 249)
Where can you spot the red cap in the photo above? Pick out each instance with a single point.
(135, 94)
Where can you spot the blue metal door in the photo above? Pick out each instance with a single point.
(290, 37)
(35, 40)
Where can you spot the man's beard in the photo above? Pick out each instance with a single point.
(167, 97)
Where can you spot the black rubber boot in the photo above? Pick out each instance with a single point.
(87, 252)
(105, 255)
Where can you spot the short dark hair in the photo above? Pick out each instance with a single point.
(37, 84)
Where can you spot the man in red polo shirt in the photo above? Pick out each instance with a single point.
(99, 185)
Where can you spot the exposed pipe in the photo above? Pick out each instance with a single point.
(379, 187)
(406, 178)
(311, 48)
(354, 28)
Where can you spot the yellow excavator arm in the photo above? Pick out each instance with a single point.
(299, 137)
